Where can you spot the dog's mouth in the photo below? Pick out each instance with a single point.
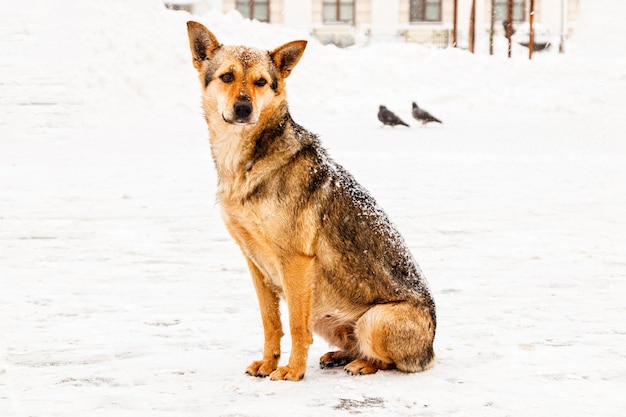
(238, 121)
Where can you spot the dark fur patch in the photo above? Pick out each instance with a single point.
(273, 76)
(199, 46)
(208, 77)
(209, 73)
(427, 358)
(259, 191)
(287, 59)
(266, 140)
(317, 178)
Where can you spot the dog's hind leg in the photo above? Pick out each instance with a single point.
(269, 304)
(366, 366)
(396, 335)
(336, 358)
(340, 335)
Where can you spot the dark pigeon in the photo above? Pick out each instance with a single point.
(423, 116)
(387, 117)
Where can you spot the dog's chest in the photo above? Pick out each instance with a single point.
(226, 149)
(255, 228)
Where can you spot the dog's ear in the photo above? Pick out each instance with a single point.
(202, 42)
(287, 56)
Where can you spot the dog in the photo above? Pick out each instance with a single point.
(309, 232)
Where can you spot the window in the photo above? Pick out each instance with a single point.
(425, 11)
(334, 11)
(254, 9)
(519, 10)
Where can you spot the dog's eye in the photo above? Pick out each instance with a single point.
(260, 82)
(227, 78)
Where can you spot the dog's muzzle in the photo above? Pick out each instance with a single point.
(242, 112)
(242, 109)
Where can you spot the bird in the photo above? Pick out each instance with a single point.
(423, 116)
(389, 118)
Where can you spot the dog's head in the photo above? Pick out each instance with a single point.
(239, 83)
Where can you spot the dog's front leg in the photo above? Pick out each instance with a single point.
(298, 288)
(269, 304)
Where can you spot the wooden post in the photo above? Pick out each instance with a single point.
(563, 26)
(472, 30)
(509, 27)
(492, 26)
(454, 22)
(531, 36)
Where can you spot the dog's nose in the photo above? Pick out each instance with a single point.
(242, 109)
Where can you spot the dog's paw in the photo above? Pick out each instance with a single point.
(361, 367)
(286, 373)
(333, 359)
(260, 368)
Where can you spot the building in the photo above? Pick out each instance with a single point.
(345, 22)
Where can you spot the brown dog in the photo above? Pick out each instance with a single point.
(309, 232)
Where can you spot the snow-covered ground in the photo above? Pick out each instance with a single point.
(121, 293)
